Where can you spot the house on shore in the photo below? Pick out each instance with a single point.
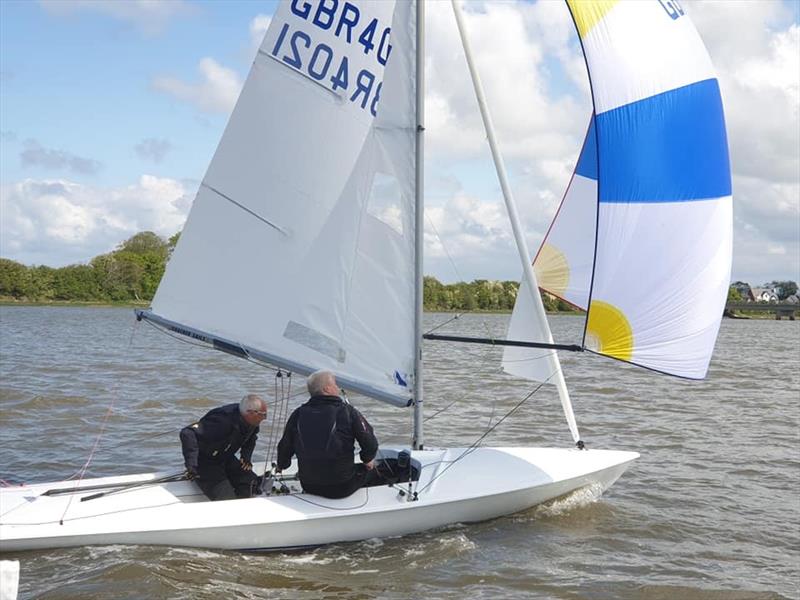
(764, 295)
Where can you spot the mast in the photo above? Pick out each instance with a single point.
(417, 441)
(511, 207)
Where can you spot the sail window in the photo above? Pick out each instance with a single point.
(385, 201)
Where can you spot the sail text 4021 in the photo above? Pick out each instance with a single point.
(333, 44)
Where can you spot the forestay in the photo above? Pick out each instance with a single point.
(643, 237)
(300, 242)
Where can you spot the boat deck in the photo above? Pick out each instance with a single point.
(483, 483)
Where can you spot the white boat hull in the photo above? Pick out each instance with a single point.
(485, 483)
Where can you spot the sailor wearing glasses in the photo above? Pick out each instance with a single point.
(210, 446)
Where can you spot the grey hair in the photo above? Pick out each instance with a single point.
(251, 402)
(318, 380)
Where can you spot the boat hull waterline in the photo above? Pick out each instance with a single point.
(485, 483)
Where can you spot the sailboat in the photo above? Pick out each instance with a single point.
(303, 250)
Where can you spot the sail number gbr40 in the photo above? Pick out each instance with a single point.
(334, 44)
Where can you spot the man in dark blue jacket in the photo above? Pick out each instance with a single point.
(322, 433)
(210, 445)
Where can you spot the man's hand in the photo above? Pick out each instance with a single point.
(247, 466)
(191, 473)
(370, 465)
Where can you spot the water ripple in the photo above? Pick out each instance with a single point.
(710, 511)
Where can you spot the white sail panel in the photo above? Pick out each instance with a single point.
(563, 266)
(535, 364)
(662, 265)
(665, 317)
(565, 259)
(300, 242)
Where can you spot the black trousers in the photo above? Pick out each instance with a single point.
(361, 478)
(225, 480)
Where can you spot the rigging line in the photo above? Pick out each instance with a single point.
(140, 440)
(278, 420)
(109, 410)
(494, 411)
(285, 405)
(485, 359)
(257, 362)
(489, 355)
(444, 247)
(92, 516)
(362, 505)
(472, 447)
(443, 324)
(494, 397)
(280, 415)
(271, 427)
(276, 412)
(523, 360)
(441, 410)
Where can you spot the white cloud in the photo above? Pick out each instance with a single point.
(216, 92)
(258, 28)
(58, 222)
(219, 86)
(150, 16)
(536, 85)
(766, 230)
(510, 44)
(755, 48)
(466, 238)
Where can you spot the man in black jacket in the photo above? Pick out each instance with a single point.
(322, 433)
(210, 445)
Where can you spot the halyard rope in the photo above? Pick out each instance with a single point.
(475, 444)
(114, 396)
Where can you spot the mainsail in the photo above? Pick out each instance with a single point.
(643, 238)
(299, 248)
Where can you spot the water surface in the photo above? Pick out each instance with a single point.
(710, 511)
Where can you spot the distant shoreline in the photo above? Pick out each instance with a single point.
(740, 315)
(74, 303)
(100, 304)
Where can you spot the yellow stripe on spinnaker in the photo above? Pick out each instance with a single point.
(608, 331)
(588, 12)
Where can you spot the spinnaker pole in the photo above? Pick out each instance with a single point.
(419, 208)
(511, 207)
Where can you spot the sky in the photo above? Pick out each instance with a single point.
(110, 111)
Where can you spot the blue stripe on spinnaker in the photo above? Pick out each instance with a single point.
(587, 163)
(671, 147)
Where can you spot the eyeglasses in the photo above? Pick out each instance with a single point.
(260, 413)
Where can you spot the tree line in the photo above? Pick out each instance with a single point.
(480, 294)
(132, 272)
